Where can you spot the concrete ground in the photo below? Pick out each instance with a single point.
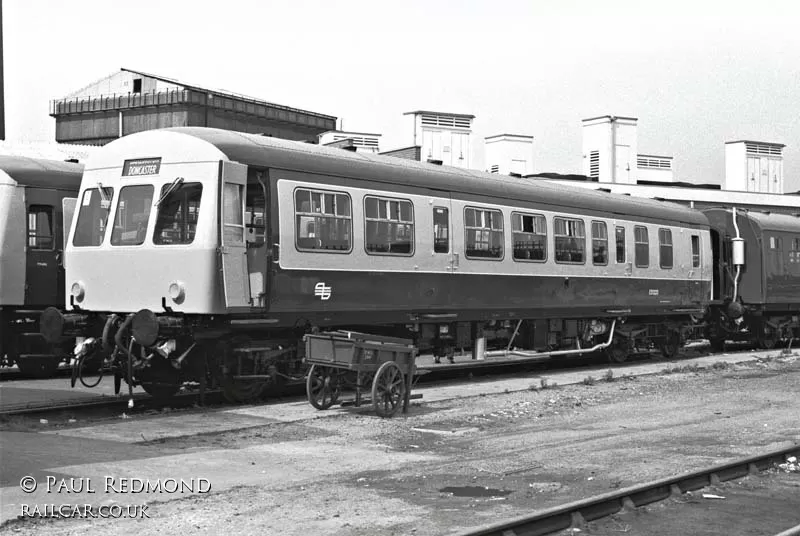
(294, 453)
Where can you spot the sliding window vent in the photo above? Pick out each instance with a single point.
(594, 164)
(445, 121)
(763, 149)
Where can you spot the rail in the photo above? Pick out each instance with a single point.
(577, 513)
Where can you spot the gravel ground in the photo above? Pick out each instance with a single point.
(449, 466)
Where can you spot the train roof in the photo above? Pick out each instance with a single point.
(267, 152)
(765, 221)
(42, 173)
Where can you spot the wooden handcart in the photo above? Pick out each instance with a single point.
(348, 360)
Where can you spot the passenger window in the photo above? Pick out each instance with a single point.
(483, 233)
(570, 240)
(177, 214)
(93, 217)
(620, 237)
(599, 243)
(323, 221)
(441, 230)
(40, 227)
(641, 246)
(529, 235)
(665, 248)
(232, 215)
(695, 251)
(133, 213)
(389, 225)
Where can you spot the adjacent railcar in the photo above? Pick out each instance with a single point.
(37, 198)
(201, 251)
(756, 290)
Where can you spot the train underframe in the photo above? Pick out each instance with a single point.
(766, 327)
(245, 358)
(22, 344)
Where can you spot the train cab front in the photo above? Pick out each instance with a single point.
(146, 249)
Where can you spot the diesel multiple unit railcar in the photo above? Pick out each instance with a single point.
(757, 282)
(201, 252)
(37, 198)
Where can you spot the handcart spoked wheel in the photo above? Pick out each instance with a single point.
(388, 389)
(352, 361)
(322, 386)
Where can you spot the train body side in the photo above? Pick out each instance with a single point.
(770, 276)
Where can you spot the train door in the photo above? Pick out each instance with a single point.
(232, 245)
(257, 235)
(42, 247)
(717, 271)
(443, 247)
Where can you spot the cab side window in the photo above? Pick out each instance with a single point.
(40, 227)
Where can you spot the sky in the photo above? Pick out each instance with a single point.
(695, 73)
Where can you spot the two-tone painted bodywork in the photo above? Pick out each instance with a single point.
(365, 287)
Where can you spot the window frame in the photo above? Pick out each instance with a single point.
(297, 214)
(36, 209)
(82, 203)
(662, 246)
(412, 223)
(624, 244)
(116, 206)
(556, 236)
(696, 258)
(155, 238)
(516, 213)
(594, 239)
(435, 238)
(502, 232)
(637, 243)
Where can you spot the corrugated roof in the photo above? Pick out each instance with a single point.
(229, 94)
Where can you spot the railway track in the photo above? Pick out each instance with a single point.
(191, 396)
(576, 514)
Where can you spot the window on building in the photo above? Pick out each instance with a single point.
(389, 225)
(483, 231)
(641, 246)
(529, 234)
(570, 240)
(695, 251)
(599, 243)
(620, 238)
(137, 85)
(665, 248)
(40, 227)
(176, 222)
(93, 217)
(133, 214)
(323, 221)
(441, 229)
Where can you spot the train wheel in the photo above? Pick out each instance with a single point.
(242, 391)
(160, 380)
(618, 351)
(388, 389)
(322, 387)
(236, 390)
(671, 345)
(768, 337)
(38, 366)
(717, 344)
